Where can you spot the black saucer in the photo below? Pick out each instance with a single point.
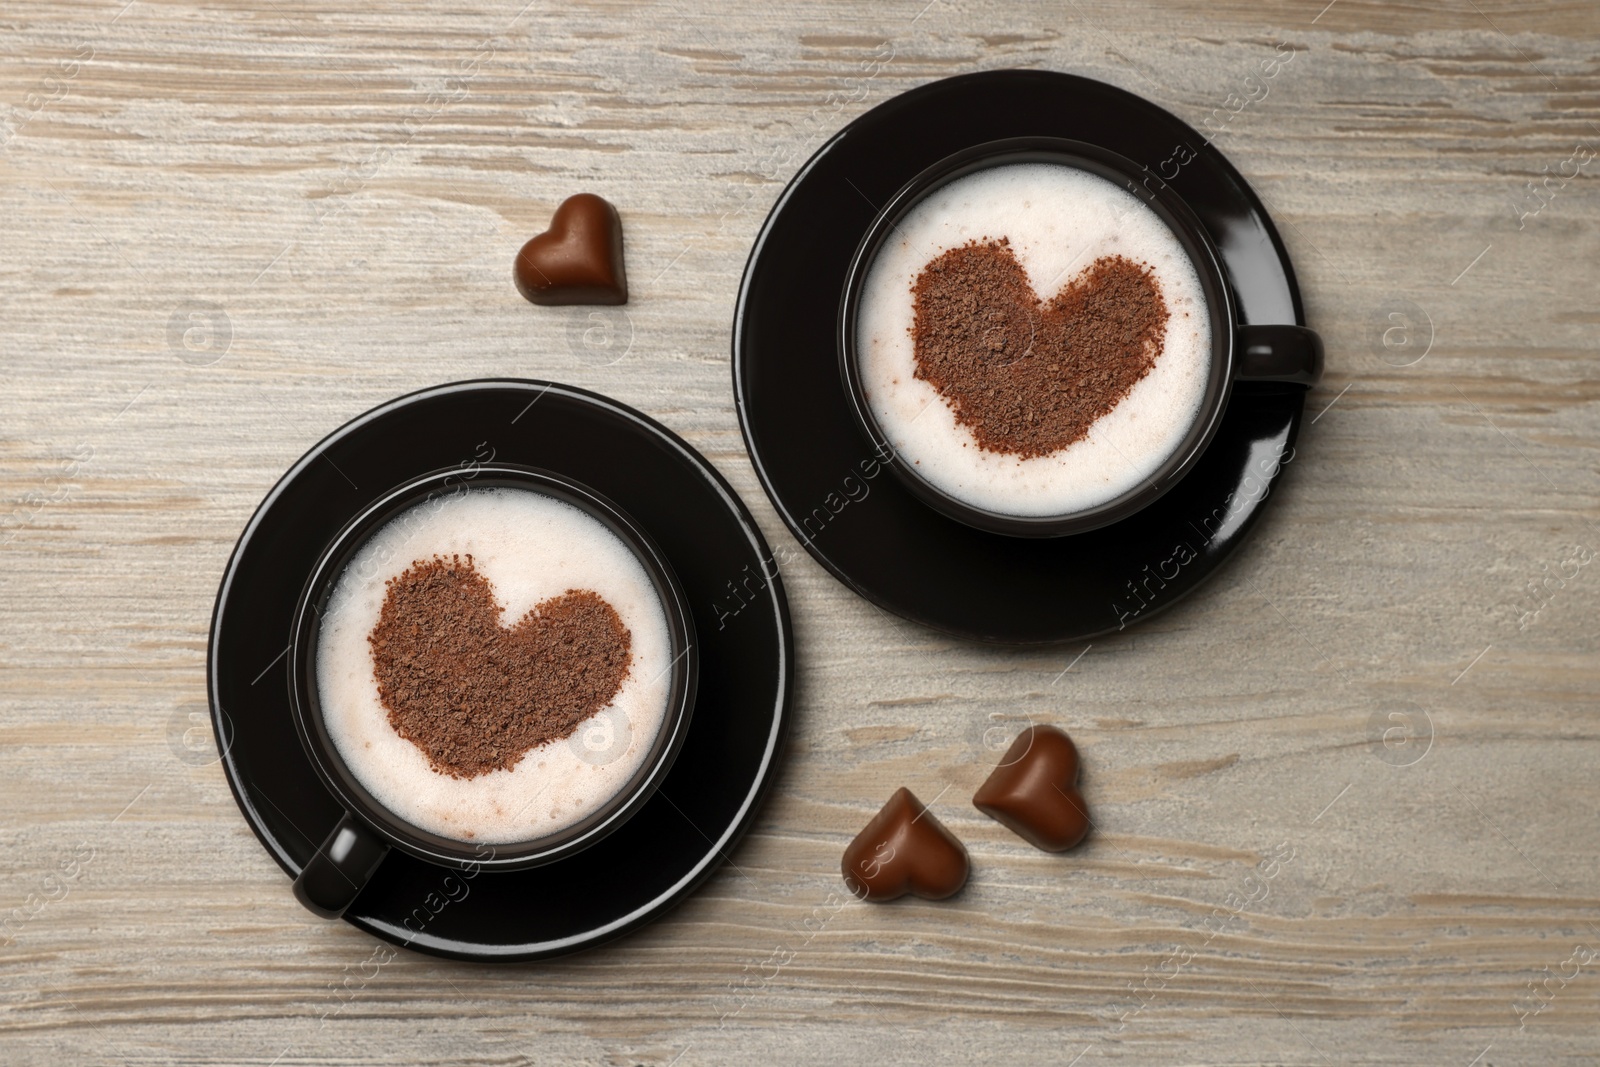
(741, 713)
(873, 534)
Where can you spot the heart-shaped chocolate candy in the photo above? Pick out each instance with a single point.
(475, 696)
(1034, 790)
(578, 260)
(1029, 377)
(904, 849)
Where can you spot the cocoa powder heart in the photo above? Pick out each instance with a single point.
(476, 696)
(904, 849)
(1029, 377)
(1034, 790)
(578, 260)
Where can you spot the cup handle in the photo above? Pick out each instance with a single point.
(1278, 353)
(340, 869)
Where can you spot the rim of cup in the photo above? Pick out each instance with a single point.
(305, 702)
(1191, 236)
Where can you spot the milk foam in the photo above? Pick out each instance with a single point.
(530, 547)
(1059, 219)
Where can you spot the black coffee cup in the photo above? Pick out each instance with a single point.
(352, 851)
(1254, 353)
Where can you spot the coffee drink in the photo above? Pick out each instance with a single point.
(494, 665)
(1033, 340)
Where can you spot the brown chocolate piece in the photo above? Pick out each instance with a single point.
(1029, 377)
(1034, 790)
(578, 260)
(904, 849)
(474, 695)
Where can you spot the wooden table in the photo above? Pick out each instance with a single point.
(1346, 793)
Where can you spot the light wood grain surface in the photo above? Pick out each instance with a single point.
(228, 229)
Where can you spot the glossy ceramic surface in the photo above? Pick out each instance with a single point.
(824, 476)
(736, 733)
